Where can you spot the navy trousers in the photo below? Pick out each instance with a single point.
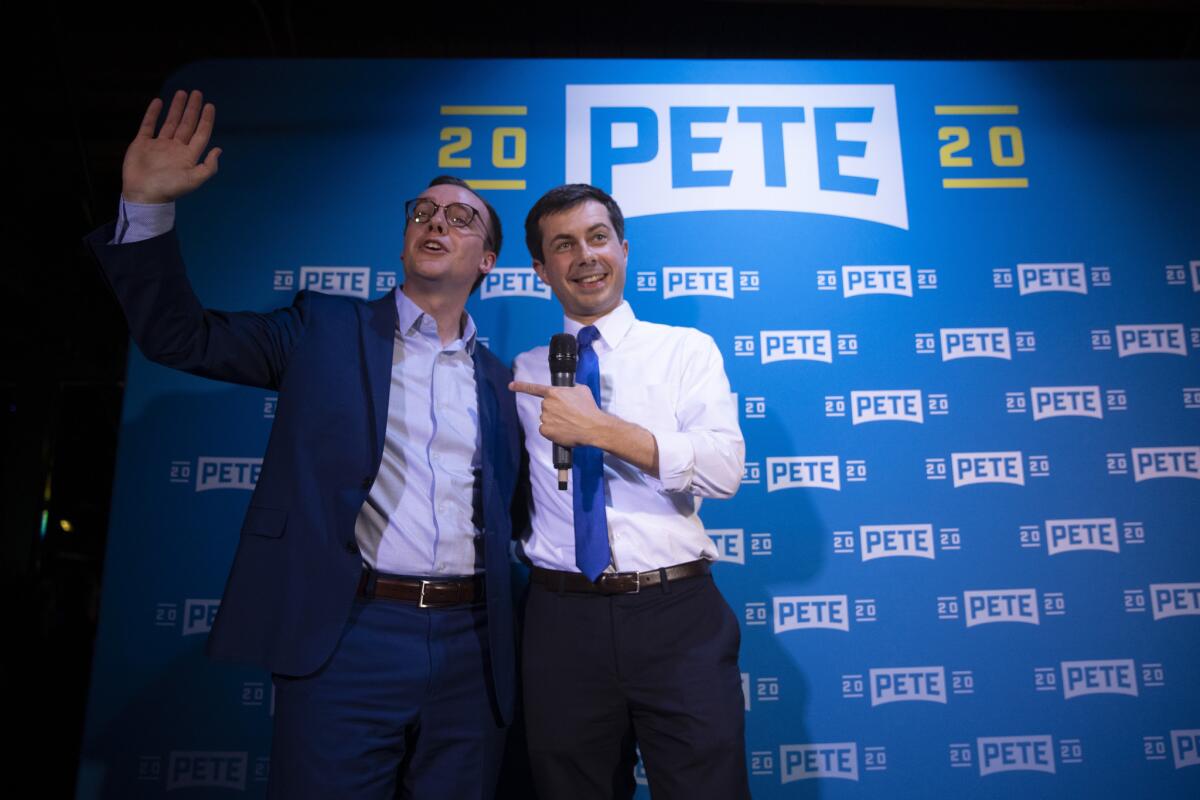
(657, 669)
(403, 708)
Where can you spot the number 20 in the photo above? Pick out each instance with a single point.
(457, 139)
(958, 138)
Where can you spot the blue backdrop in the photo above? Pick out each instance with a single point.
(959, 304)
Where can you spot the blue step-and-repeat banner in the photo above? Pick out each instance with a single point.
(959, 304)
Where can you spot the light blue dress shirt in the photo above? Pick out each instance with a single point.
(422, 515)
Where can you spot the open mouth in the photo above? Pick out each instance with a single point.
(588, 281)
(433, 247)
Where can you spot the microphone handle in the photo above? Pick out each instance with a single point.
(562, 455)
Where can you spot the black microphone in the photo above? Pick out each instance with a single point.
(564, 357)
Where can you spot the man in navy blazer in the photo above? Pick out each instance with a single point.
(386, 677)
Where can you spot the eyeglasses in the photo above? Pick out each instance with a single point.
(458, 215)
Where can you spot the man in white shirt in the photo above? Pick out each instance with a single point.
(627, 638)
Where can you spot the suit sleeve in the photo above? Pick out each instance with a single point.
(172, 328)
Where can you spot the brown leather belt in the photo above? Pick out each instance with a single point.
(422, 592)
(617, 582)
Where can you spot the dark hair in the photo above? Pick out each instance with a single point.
(495, 235)
(562, 198)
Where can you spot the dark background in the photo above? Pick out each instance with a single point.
(78, 81)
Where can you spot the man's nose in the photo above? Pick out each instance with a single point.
(437, 224)
(586, 254)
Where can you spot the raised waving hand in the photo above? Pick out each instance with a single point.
(164, 167)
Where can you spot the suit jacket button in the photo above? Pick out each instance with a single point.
(351, 546)
(366, 484)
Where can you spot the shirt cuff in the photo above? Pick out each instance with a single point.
(676, 460)
(137, 222)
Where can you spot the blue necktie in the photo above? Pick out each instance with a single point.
(587, 475)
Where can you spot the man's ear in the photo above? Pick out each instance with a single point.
(540, 269)
(487, 263)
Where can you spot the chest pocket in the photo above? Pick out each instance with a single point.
(649, 405)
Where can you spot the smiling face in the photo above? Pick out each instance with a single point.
(584, 260)
(437, 254)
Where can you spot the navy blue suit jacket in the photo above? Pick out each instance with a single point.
(297, 566)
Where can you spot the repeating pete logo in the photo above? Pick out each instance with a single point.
(224, 472)
(898, 405)
(513, 282)
(798, 472)
(766, 690)
(1167, 600)
(897, 540)
(828, 760)
(804, 345)
(730, 544)
(1035, 278)
(1108, 676)
(1151, 463)
(1185, 745)
(198, 615)
(1168, 338)
(828, 611)
(986, 606)
(1100, 534)
(807, 148)
(1067, 401)
(881, 279)
(959, 343)
(907, 684)
(803, 612)
(864, 280)
(1138, 340)
(1015, 754)
(891, 541)
(699, 282)
(812, 472)
(888, 405)
(1002, 466)
(347, 281)
(192, 769)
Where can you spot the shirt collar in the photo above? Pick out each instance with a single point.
(409, 316)
(612, 326)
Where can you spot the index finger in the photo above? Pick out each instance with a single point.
(536, 389)
(146, 129)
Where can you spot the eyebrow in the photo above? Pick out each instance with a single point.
(598, 225)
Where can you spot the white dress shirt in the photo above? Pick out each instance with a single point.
(671, 381)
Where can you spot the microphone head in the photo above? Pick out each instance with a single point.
(564, 353)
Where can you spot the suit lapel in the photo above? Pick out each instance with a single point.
(486, 397)
(378, 334)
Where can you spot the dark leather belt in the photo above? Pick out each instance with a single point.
(617, 582)
(422, 592)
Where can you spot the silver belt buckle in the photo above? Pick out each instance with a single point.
(421, 597)
(637, 583)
